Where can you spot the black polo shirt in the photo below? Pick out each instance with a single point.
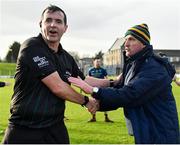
(33, 104)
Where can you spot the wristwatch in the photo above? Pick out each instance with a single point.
(95, 90)
(86, 100)
(111, 83)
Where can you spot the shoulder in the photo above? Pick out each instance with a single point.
(150, 62)
(152, 66)
(103, 69)
(91, 69)
(31, 42)
(32, 47)
(65, 52)
(67, 55)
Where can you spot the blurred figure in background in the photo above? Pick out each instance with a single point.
(98, 72)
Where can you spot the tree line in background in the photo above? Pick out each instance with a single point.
(12, 54)
(13, 51)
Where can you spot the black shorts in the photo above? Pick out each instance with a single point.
(56, 134)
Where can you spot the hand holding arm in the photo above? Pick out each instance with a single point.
(81, 84)
(96, 82)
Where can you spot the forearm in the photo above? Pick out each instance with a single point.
(67, 93)
(101, 83)
(64, 91)
(61, 89)
(95, 82)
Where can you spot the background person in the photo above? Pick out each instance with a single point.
(145, 91)
(98, 72)
(41, 85)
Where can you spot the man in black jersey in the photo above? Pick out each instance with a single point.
(41, 85)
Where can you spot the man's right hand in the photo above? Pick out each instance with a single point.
(92, 105)
(81, 84)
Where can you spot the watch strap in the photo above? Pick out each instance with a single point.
(86, 100)
(111, 83)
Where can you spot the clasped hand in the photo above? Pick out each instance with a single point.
(93, 104)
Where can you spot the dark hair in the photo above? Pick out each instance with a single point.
(53, 8)
(96, 58)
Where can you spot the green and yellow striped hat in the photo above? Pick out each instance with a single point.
(140, 32)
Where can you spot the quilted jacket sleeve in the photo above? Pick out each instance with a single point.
(149, 82)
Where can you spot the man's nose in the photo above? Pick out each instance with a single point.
(126, 43)
(53, 23)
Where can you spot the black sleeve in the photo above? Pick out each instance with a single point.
(38, 61)
(76, 71)
(2, 84)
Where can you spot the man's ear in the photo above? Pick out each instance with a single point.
(66, 27)
(40, 24)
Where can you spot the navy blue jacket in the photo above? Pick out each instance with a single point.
(147, 99)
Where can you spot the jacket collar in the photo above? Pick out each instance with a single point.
(146, 52)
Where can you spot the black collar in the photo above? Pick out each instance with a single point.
(60, 48)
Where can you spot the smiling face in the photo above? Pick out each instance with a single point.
(53, 27)
(132, 45)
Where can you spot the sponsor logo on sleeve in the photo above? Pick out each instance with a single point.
(67, 74)
(41, 61)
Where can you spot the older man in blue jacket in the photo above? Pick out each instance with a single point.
(144, 91)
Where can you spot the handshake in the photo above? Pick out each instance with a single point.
(91, 103)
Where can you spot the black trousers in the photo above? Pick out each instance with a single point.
(56, 134)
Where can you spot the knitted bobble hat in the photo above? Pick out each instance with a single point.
(140, 32)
